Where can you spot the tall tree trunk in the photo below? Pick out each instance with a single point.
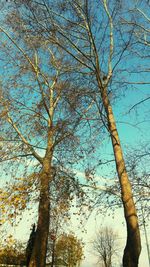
(133, 244)
(38, 257)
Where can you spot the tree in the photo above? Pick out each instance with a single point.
(105, 245)
(16, 197)
(63, 190)
(39, 128)
(138, 170)
(30, 244)
(69, 250)
(12, 252)
(91, 35)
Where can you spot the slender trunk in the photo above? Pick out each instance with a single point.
(53, 254)
(133, 244)
(38, 257)
(146, 237)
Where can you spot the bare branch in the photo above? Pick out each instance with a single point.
(111, 39)
(34, 153)
(140, 102)
(19, 48)
(15, 157)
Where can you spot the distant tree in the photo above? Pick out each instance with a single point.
(69, 250)
(12, 252)
(30, 244)
(105, 246)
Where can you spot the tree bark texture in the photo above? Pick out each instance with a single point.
(38, 257)
(133, 244)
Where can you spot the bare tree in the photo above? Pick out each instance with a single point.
(105, 245)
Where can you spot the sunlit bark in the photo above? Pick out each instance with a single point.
(133, 244)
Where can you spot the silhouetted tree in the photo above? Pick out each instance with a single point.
(30, 244)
